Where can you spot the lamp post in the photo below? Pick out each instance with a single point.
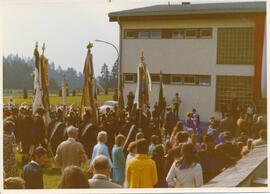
(118, 62)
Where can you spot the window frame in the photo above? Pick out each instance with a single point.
(192, 37)
(131, 30)
(203, 76)
(134, 79)
(177, 75)
(145, 31)
(189, 83)
(206, 37)
(178, 31)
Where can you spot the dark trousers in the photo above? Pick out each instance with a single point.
(176, 111)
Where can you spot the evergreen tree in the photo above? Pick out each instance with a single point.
(114, 76)
(105, 77)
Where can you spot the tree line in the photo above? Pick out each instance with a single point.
(18, 74)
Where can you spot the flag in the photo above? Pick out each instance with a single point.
(143, 85)
(89, 95)
(41, 99)
(36, 55)
(160, 96)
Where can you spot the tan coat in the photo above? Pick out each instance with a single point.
(70, 152)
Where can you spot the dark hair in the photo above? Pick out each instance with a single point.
(182, 136)
(73, 177)
(39, 151)
(177, 151)
(188, 156)
(158, 156)
(142, 146)
(158, 152)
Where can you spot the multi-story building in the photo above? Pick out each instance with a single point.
(208, 53)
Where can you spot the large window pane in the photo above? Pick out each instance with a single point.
(236, 46)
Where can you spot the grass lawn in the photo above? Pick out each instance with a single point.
(58, 100)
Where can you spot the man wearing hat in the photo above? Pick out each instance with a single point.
(70, 152)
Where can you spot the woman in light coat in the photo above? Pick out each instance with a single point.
(185, 172)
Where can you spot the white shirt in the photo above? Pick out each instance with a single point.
(189, 177)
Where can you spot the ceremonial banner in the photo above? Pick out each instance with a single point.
(41, 99)
(89, 88)
(143, 85)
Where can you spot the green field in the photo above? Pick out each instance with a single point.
(57, 100)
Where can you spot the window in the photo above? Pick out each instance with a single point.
(229, 87)
(130, 77)
(178, 34)
(156, 35)
(166, 78)
(131, 34)
(188, 33)
(166, 34)
(235, 46)
(189, 80)
(204, 80)
(144, 35)
(155, 77)
(191, 33)
(177, 79)
(206, 33)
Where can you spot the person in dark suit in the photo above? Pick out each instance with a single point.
(226, 124)
(32, 172)
(170, 120)
(39, 128)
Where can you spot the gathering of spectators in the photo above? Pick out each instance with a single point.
(158, 151)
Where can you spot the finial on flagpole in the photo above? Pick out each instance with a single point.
(89, 46)
(142, 56)
(43, 48)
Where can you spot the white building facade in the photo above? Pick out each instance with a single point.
(205, 51)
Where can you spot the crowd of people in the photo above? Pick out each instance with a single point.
(125, 150)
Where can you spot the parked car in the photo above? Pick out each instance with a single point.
(111, 104)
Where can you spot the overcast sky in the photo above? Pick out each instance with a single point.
(66, 26)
